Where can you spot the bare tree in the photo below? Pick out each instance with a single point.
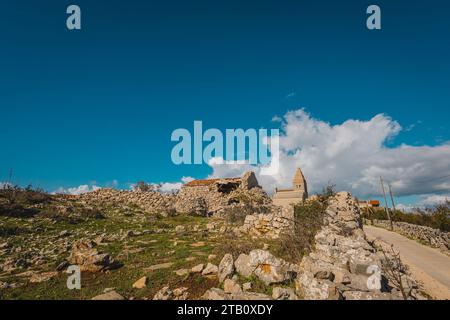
(396, 272)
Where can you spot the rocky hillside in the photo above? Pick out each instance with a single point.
(128, 247)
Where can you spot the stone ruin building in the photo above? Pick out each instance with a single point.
(211, 195)
(298, 193)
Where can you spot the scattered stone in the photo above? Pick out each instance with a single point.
(247, 286)
(212, 257)
(219, 294)
(182, 272)
(226, 267)
(198, 244)
(180, 293)
(265, 266)
(230, 286)
(164, 294)
(210, 269)
(159, 266)
(180, 228)
(88, 258)
(43, 277)
(141, 283)
(243, 265)
(279, 293)
(111, 295)
(198, 268)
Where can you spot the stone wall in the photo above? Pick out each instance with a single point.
(339, 266)
(214, 197)
(200, 199)
(426, 235)
(270, 225)
(149, 201)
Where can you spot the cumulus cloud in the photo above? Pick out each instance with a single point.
(433, 199)
(353, 155)
(84, 188)
(168, 187)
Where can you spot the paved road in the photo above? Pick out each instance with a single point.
(428, 265)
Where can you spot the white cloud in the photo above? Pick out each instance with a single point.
(168, 187)
(277, 119)
(433, 199)
(84, 188)
(187, 179)
(352, 155)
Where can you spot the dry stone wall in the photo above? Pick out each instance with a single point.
(270, 225)
(339, 266)
(150, 201)
(429, 236)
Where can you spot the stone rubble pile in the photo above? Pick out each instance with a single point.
(85, 255)
(214, 197)
(341, 263)
(259, 263)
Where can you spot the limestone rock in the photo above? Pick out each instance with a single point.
(141, 283)
(247, 286)
(338, 266)
(111, 295)
(265, 266)
(279, 293)
(180, 228)
(180, 293)
(164, 294)
(226, 267)
(210, 269)
(182, 272)
(231, 286)
(88, 258)
(42, 277)
(243, 265)
(218, 294)
(198, 268)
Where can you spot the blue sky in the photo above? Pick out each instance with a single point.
(98, 105)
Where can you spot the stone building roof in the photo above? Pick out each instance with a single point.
(207, 182)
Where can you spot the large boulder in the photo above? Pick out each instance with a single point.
(85, 255)
(265, 266)
(111, 295)
(226, 267)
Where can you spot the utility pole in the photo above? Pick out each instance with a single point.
(10, 175)
(386, 204)
(392, 198)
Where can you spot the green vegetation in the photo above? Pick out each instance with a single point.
(436, 217)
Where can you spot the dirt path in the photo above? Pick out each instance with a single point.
(428, 265)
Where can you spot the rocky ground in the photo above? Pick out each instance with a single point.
(126, 252)
(115, 245)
